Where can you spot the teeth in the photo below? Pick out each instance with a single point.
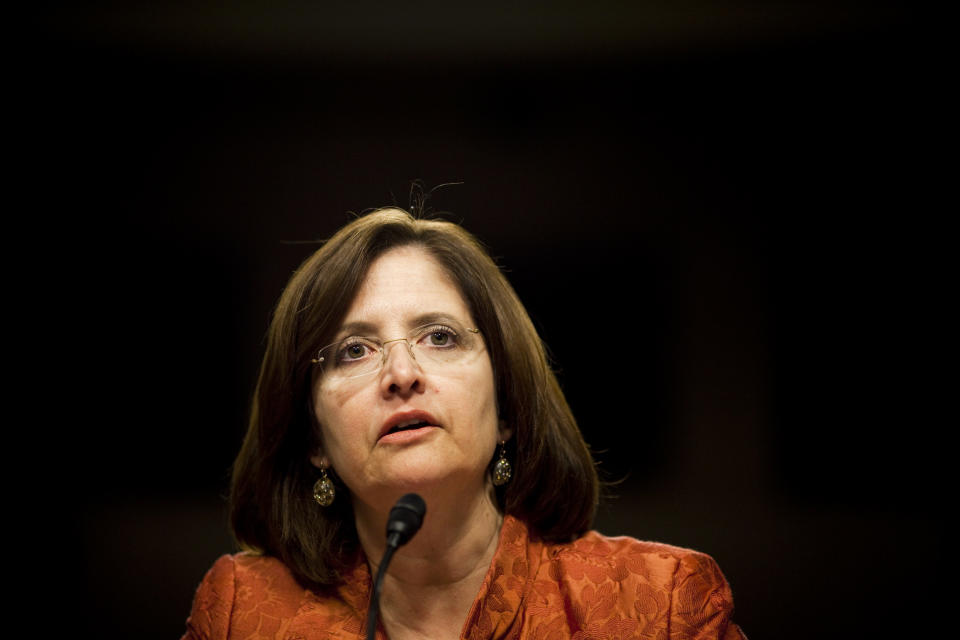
(408, 424)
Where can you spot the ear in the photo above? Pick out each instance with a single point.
(320, 461)
(504, 431)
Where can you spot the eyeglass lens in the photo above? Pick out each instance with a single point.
(430, 345)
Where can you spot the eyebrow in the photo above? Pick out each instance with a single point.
(363, 328)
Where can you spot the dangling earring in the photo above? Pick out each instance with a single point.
(502, 471)
(323, 490)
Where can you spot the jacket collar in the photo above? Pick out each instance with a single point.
(505, 587)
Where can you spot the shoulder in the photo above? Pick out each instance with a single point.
(249, 571)
(655, 562)
(237, 585)
(656, 585)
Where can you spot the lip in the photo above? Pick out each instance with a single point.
(405, 416)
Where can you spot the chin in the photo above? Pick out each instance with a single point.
(432, 478)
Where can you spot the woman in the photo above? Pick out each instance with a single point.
(400, 360)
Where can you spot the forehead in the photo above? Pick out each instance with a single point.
(402, 285)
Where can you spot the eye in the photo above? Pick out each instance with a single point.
(355, 349)
(440, 336)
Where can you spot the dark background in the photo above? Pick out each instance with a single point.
(717, 215)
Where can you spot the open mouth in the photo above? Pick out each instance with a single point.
(418, 424)
(408, 421)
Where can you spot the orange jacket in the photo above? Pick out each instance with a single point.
(595, 587)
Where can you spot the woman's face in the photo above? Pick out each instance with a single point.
(412, 425)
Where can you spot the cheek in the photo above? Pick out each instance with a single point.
(319, 408)
(331, 413)
(486, 400)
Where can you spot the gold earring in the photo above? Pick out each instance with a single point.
(323, 490)
(502, 471)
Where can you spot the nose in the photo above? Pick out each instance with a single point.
(401, 374)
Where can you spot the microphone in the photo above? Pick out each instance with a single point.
(404, 521)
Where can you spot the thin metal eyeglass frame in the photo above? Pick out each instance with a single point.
(383, 351)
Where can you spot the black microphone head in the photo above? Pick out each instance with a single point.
(405, 519)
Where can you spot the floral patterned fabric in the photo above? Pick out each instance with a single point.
(594, 588)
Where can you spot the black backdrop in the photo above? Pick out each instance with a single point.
(715, 215)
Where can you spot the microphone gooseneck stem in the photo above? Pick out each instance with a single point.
(404, 521)
(392, 544)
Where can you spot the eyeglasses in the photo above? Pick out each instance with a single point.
(433, 346)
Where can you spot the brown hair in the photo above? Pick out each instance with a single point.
(554, 488)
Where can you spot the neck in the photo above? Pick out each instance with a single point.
(433, 580)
